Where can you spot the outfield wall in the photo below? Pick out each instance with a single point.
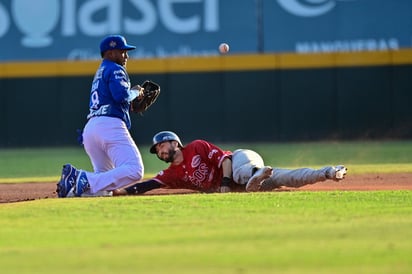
(242, 98)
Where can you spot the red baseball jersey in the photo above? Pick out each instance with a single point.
(201, 168)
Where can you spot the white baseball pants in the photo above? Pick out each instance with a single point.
(245, 162)
(116, 160)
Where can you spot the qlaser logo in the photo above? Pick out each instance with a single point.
(37, 19)
(309, 8)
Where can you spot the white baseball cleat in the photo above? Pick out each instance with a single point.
(337, 173)
(340, 172)
(256, 180)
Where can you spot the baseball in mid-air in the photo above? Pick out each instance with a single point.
(223, 48)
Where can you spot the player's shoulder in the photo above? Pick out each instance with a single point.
(198, 142)
(193, 145)
(111, 66)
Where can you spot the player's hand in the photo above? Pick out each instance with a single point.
(140, 92)
(224, 189)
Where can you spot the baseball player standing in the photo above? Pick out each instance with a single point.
(205, 167)
(114, 155)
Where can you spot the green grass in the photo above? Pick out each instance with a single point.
(40, 164)
(283, 232)
(277, 232)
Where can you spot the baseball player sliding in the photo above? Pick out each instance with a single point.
(203, 166)
(116, 160)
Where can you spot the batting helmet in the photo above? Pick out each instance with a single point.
(164, 136)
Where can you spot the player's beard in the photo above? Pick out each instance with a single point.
(171, 156)
(122, 62)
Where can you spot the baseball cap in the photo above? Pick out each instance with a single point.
(114, 42)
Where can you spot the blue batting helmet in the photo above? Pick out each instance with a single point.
(164, 136)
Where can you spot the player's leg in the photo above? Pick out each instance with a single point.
(127, 160)
(94, 136)
(249, 169)
(93, 141)
(94, 145)
(111, 136)
(245, 162)
(302, 176)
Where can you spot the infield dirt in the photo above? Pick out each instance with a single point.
(400, 181)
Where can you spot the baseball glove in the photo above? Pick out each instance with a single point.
(151, 91)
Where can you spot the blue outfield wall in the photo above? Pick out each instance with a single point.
(244, 98)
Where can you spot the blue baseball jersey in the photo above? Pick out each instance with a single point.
(110, 93)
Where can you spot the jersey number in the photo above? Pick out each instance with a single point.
(94, 100)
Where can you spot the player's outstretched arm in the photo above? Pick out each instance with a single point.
(138, 188)
(227, 176)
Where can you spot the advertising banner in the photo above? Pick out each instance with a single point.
(72, 29)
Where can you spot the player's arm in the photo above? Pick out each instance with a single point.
(227, 167)
(227, 175)
(120, 86)
(142, 187)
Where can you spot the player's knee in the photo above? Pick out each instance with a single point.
(136, 172)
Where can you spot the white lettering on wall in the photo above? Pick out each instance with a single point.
(348, 45)
(91, 28)
(68, 18)
(4, 21)
(211, 15)
(176, 24)
(191, 24)
(36, 21)
(79, 18)
(307, 8)
(148, 19)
